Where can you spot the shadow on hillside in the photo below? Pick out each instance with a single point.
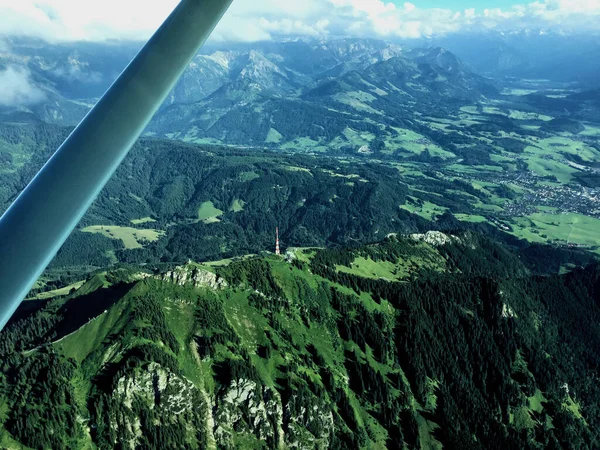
(78, 311)
(26, 309)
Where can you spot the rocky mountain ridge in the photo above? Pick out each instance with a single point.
(415, 342)
(263, 86)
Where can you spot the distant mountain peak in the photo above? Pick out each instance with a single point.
(389, 52)
(222, 58)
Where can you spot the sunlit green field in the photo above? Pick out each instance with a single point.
(567, 228)
(59, 292)
(370, 269)
(427, 210)
(143, 221)
(237, 205)
(131, 237)
(207, 213)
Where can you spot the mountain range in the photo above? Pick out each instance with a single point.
(530, 54)
(263, 83)
(439, 285)
(421, 341)
(300, 94)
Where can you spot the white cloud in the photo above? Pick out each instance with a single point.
(409, 7)
(82, 20)
(252, 20)
(294, 27)
(16, 88)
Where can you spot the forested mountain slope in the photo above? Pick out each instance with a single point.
(429, 341)
(171, 201)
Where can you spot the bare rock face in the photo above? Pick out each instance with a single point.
(435, 238)
(191, 274)
(310, 424)
(248, 409)
(168, 399)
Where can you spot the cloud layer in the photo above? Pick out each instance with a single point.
(16, 88)
(253, 20)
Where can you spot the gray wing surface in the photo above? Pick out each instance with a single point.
(36, 225)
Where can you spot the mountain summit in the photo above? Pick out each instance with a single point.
(427, 341)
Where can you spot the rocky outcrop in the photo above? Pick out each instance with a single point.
(435, 238)
(310, 424)
(169, 397)
(508, 312)
(191, 274)
(246, 408)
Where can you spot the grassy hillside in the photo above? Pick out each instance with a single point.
(429, 341)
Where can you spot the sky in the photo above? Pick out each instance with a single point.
(254, 20)
(461, 5)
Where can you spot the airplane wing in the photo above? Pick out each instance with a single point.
(34, 228)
